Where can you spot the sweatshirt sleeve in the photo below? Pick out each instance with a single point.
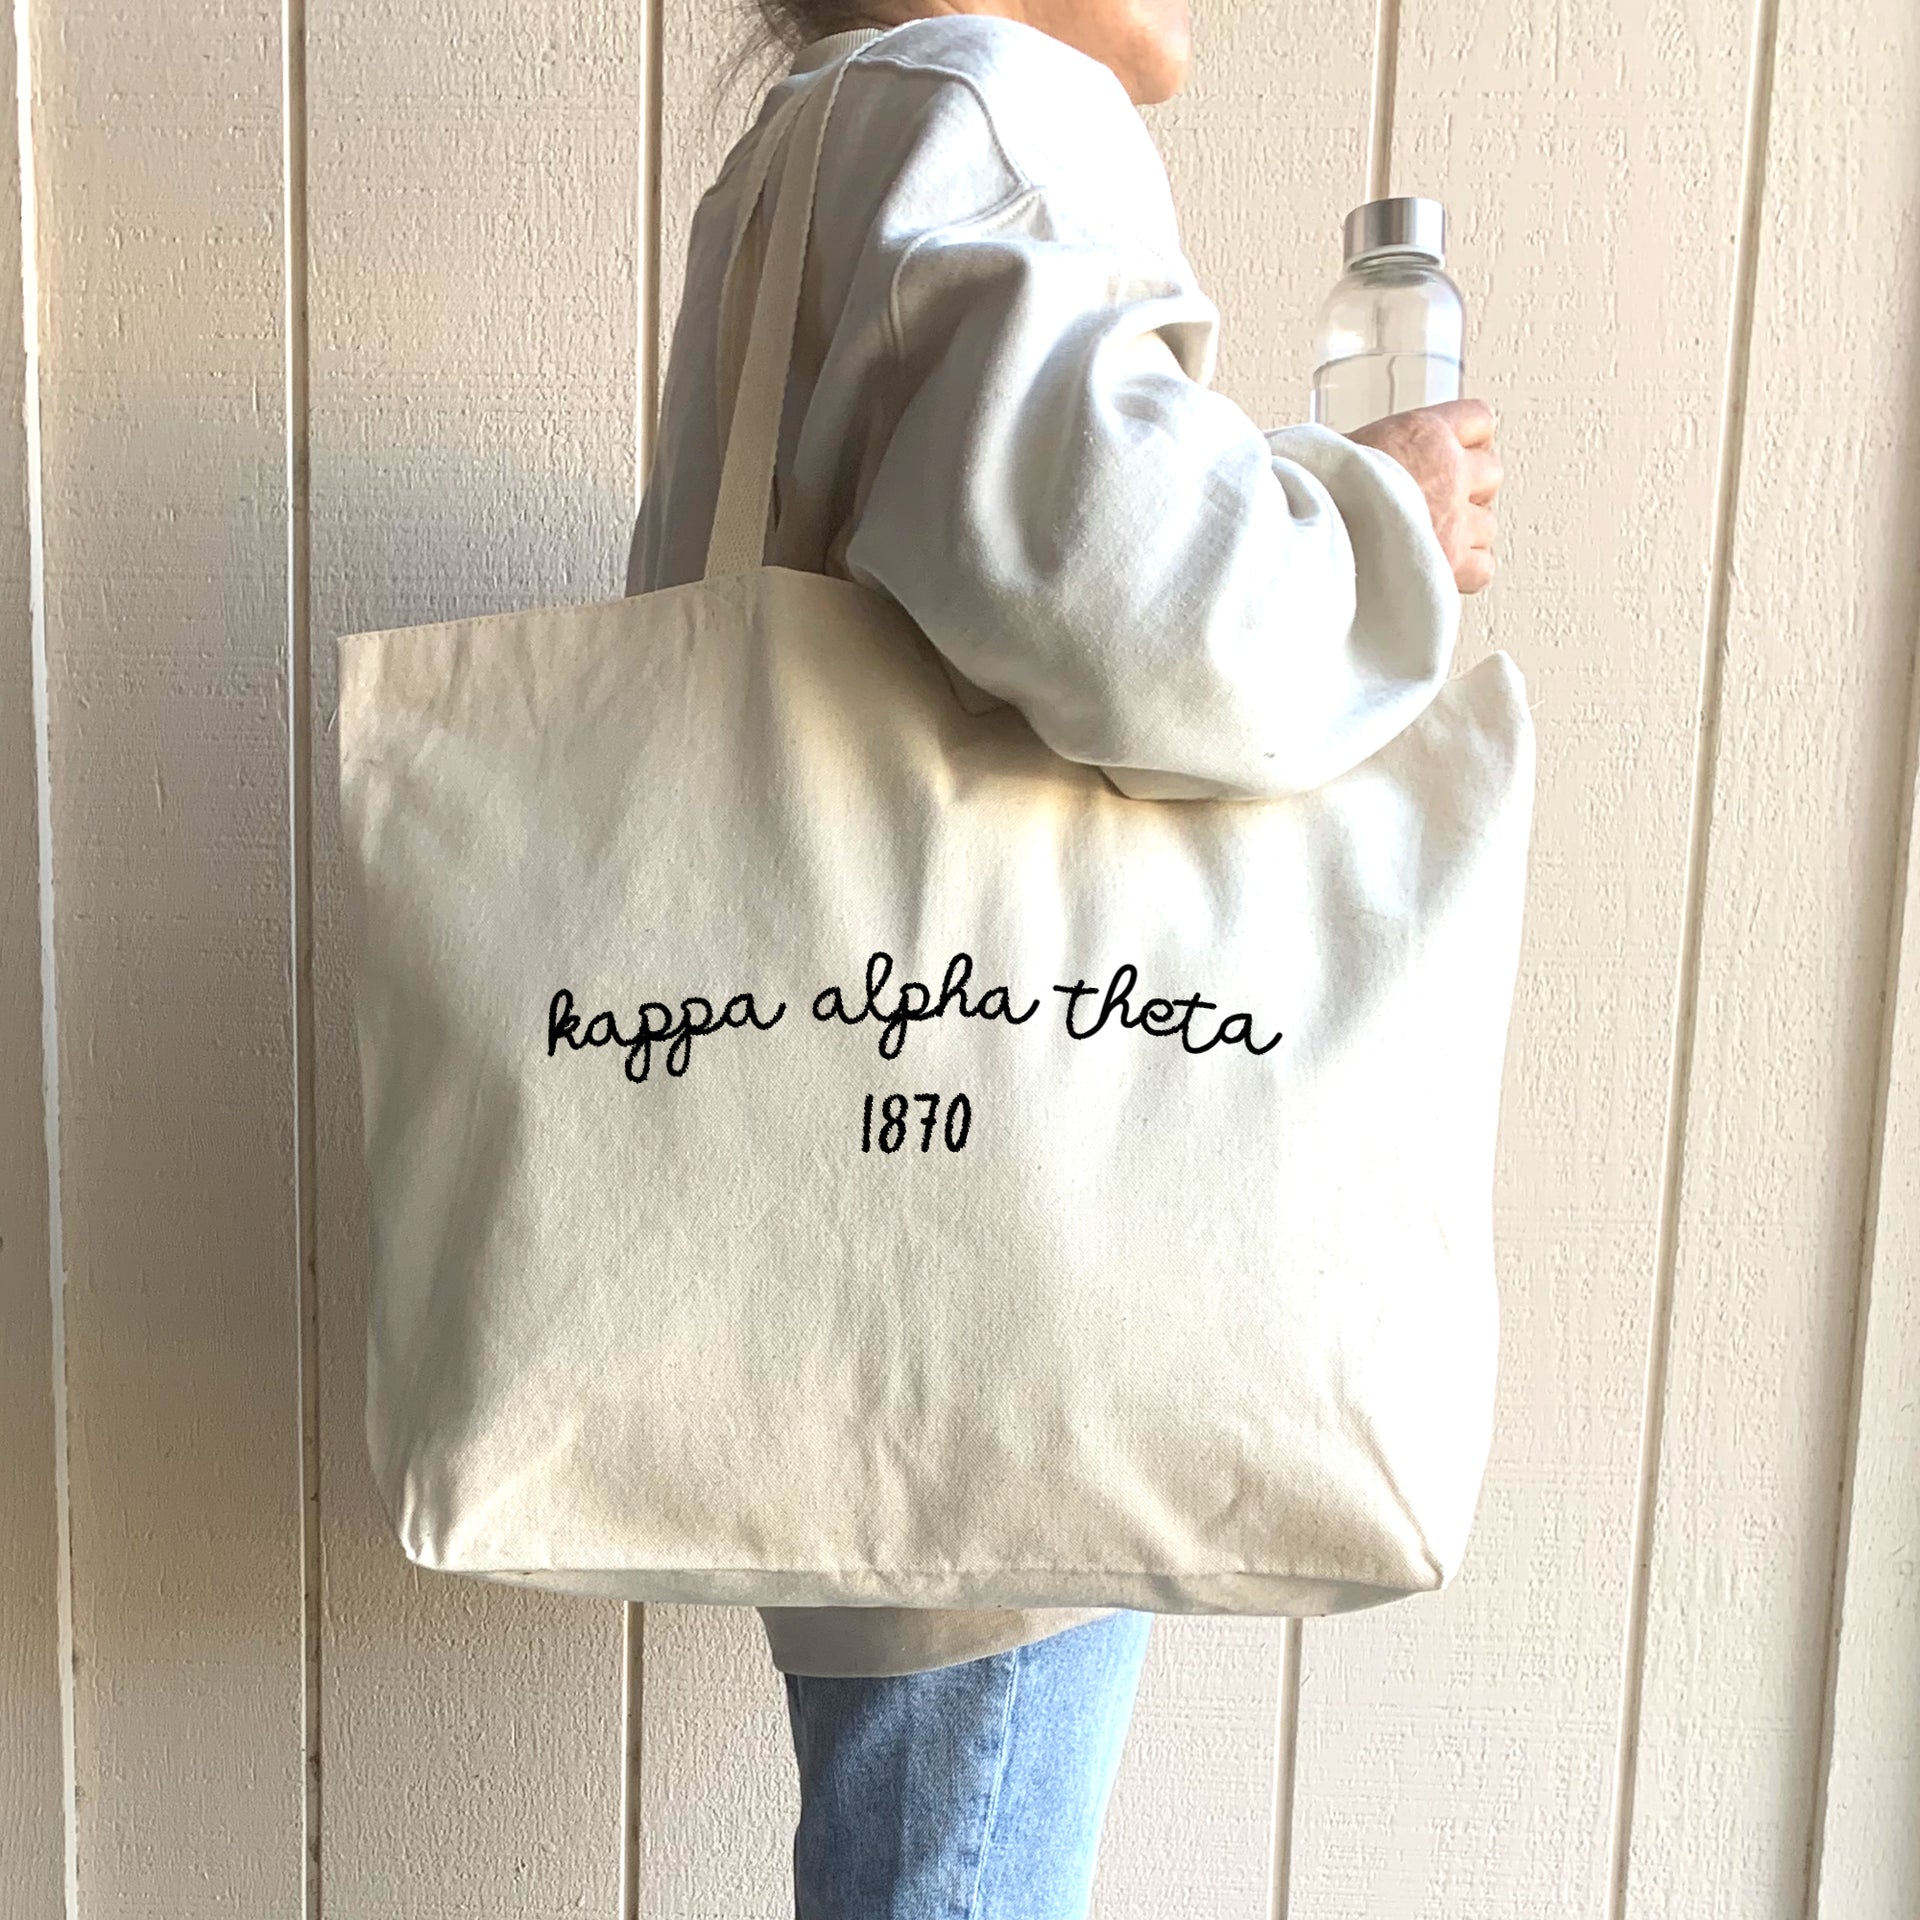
(1083, 527)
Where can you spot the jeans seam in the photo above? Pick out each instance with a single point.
(999, 1775)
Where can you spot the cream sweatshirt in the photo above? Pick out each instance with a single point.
(1000, 416)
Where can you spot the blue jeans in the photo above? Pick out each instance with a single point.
(974, 1791)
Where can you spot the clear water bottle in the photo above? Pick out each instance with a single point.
(1391, 333)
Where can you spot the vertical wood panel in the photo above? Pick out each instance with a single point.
(1190, 1828)
(158, 158)
(719, 1793)
(1869, 1853)
(32, 1834)
(472, 221)
(1818, 651)
(1457, 1752)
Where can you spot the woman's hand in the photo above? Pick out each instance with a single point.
(1449, 450)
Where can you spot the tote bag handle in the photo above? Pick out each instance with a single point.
(738, 540)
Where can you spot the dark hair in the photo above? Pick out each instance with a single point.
(778, 29)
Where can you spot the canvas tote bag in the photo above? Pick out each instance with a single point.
(825, 1149)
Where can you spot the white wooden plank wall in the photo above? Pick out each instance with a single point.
(32, 1810)
(1458, 1757)
(161, 588)
(1814, 624)
(350, 315)
(1868, 1850)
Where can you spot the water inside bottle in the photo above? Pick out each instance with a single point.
(1349, 393)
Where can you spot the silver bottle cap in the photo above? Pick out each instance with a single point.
(1405, 224)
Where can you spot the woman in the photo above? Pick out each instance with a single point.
(1000, 416)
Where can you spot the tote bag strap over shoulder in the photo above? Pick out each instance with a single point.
(746, 250)
(738, 540)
